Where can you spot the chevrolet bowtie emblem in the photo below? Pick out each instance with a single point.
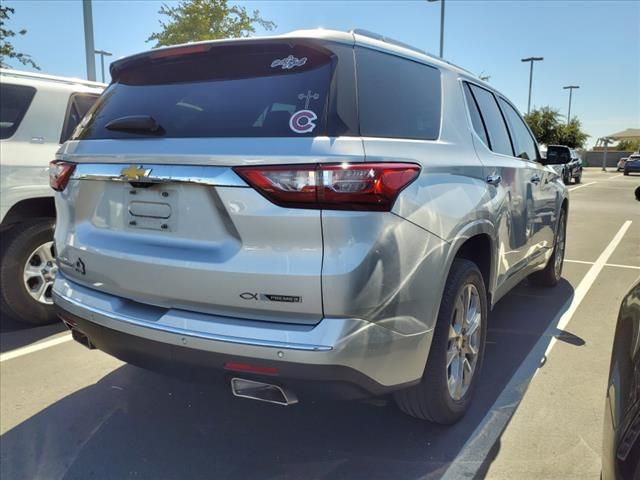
(134, 173)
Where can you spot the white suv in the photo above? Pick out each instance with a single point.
(37, 114)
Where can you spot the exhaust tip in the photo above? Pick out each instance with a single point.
(82, 339)
(263, 392)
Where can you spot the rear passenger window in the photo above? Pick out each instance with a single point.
(397, 97)
(496, 128)
(14, 103)
(79, 105)
(478, 126)
(523, 142)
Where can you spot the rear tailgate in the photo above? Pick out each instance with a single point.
(161, 218)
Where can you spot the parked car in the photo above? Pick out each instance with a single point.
(621, 439)
(37, 113)
(632, 164)
(566, 162)
(620, 164)
(260, 209)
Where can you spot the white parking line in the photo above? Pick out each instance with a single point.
(614, 265)
(475, 450)
(581, 186)
(19, 352)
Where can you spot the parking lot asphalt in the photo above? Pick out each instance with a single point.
(70, 413)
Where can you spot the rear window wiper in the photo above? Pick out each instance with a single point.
(136, 124)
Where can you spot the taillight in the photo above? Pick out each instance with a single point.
(59, 174)
(345, 186)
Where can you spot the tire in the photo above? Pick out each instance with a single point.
(579, 178)
(431, 399)
(552, 273)
(566, 179)
(20, 245)
(626, 173)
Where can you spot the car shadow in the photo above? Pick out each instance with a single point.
(15, 334)
(137, 424)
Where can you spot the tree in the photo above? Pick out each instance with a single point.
(548, 127)
(7, 50)
(628, 145)
(194, 20)
(544, 123)
(572, 135)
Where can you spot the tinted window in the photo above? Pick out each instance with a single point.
(557, 155)
(79, 105)
(496, 128)
(523, 142)
(14, 102)
(478, 126)
(231, 91)
(397, 98)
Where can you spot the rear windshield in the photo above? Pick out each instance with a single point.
(14, 102)
(557, 155)
(259, 90)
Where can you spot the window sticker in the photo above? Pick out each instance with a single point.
(302, 121)
(289, 62)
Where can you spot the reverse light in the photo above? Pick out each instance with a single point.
(344, 186)
(59, 174)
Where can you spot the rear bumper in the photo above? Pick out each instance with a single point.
(346, 356)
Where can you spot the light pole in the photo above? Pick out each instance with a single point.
(531, 60)
(88, 39)
(570, 88)
(441, 25)
(102, 54)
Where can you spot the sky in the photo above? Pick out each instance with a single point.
(590, 43)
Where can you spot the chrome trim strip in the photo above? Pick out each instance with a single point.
(96, 313)
(202, 175)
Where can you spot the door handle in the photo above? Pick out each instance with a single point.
(494, 179)
(535, 179)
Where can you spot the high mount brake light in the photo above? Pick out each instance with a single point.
(59, 174)
(345, 186)
(179, 51)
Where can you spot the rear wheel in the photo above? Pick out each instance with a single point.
(550, 276)
(457, 350)
(27, 272)
(579, 177)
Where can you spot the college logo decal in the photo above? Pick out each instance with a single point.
(302, 121)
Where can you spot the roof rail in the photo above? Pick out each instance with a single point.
(382, 38)
(50, 78)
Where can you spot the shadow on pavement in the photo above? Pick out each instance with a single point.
(137, 424)
(15, 334)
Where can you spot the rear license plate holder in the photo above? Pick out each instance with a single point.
(151, 208)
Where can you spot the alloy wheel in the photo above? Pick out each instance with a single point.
(464, 341)
(40, 272)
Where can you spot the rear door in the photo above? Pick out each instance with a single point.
(155, 212)
(542, 214)
(510, 175)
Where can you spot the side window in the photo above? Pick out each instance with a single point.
(79, 105)
(493, 120)
(523, 142)
(14, 103)
(397, 97)
(476, 119)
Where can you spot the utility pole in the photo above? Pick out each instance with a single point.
(441, 26)
(531, 60)
(88, 40)
(570, 88)
(102, 54)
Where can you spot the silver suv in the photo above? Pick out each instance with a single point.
(316, 213)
